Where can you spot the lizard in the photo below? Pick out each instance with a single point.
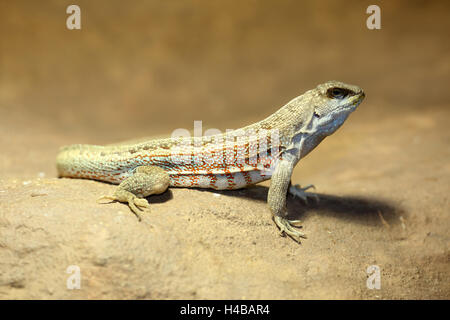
(151, 166)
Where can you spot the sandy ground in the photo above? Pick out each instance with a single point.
(146, 69)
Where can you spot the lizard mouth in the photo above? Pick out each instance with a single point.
(355, 100)
(361, 96)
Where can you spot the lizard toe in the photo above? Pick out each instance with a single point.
(141, 203)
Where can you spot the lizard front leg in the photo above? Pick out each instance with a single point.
(145, 181)
(276, 199)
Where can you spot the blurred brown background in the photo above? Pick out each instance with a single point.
(148, 67)
(151, 66)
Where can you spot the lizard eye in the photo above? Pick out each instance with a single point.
(337, 93)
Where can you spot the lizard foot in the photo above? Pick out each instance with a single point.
(145, 181)
(136, 204)
(297, 191)
(287, 228)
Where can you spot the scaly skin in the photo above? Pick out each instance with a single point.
(224, 161)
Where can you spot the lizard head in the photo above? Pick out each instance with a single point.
(333, 102)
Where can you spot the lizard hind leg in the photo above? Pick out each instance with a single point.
(145, 181)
